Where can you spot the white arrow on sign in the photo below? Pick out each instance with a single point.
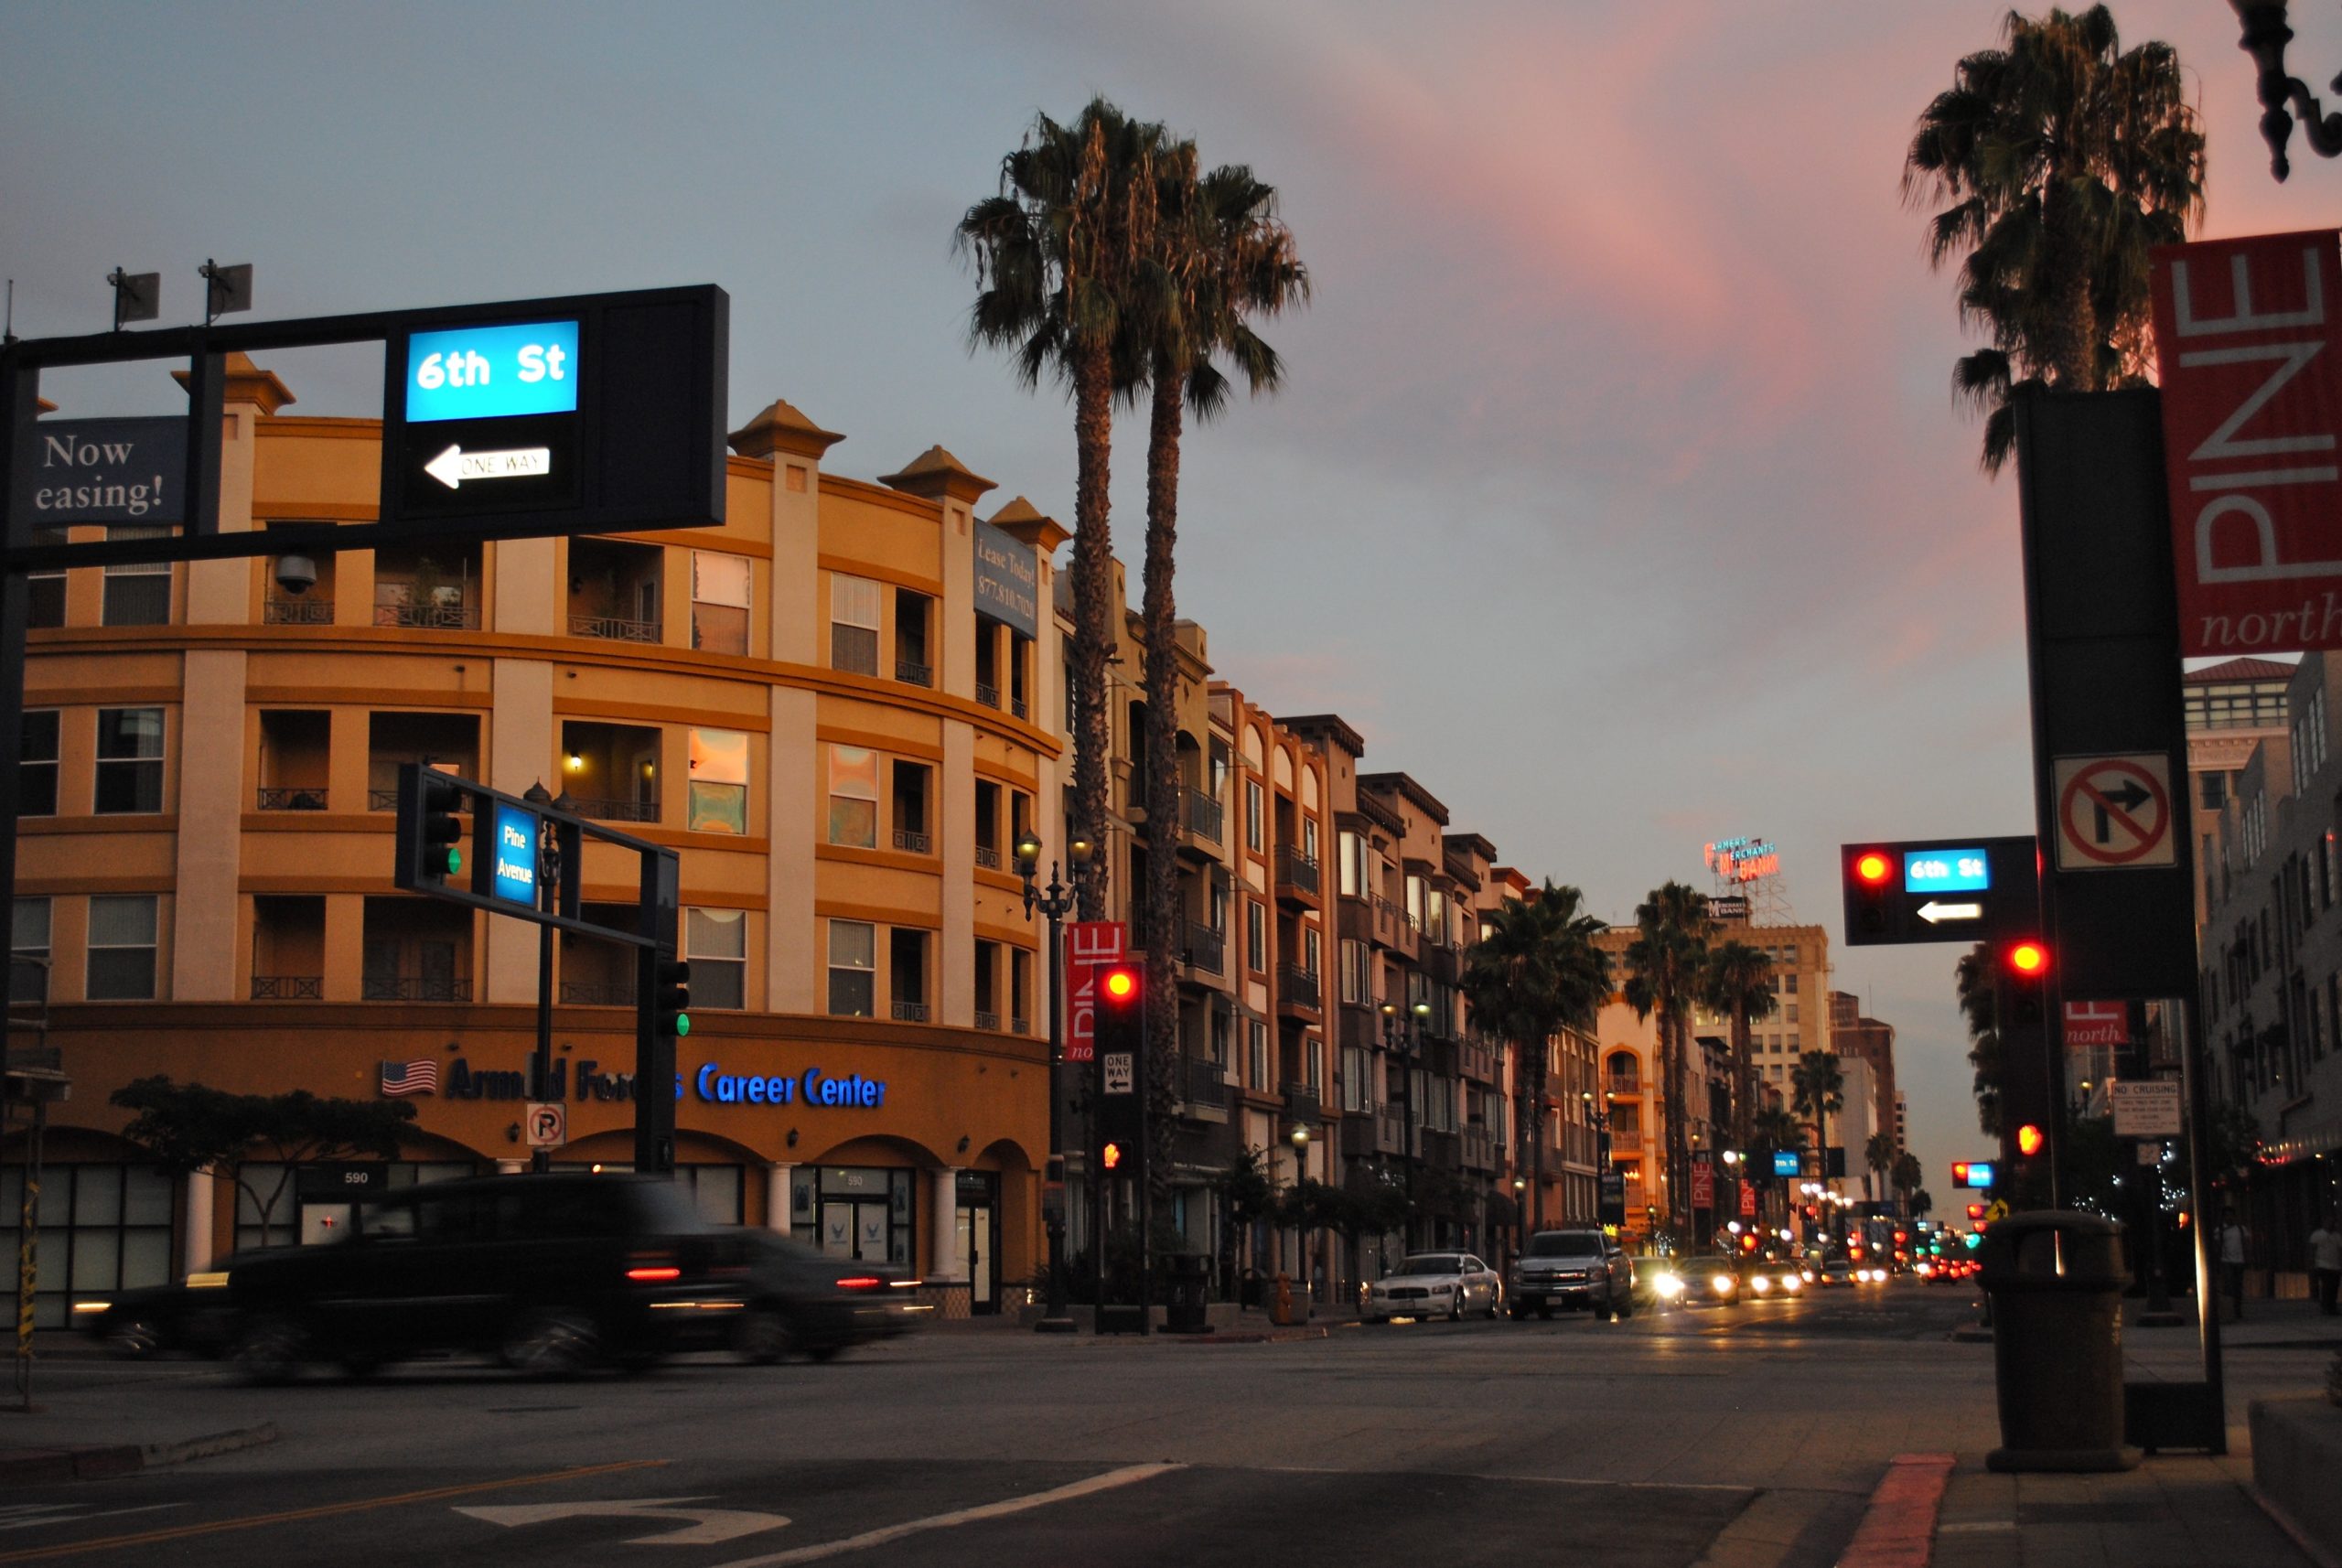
(453, 466)
(1934, 913)
(710, 1526)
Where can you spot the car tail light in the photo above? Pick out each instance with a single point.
(648, 1273)
(860, 1282)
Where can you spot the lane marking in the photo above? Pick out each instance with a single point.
(1899, 1529)
(61, 1513)
(324, 1511)
(708, 1527)
(1110, 1480)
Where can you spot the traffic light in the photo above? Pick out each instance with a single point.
(1872, 887)
(1975, 1211)
(2029, 1139)
(671, 997)
(1111, 1155)
(1121, 1046)
(429, 829)
(2026, 963)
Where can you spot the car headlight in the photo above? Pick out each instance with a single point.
(1759, 1283)
(1443, 1290)
(1667, 1287)
(81, 1307)
(1792, 1282)
(1721, 1284)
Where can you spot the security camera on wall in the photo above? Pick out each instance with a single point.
(296, 573)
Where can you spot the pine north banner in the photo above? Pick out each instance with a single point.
(2249, 351)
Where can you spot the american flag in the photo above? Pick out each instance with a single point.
(411, 1078)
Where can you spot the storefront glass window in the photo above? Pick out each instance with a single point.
(102, 1228)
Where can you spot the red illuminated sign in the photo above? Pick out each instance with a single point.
(2097, 1024)
(2249, 348)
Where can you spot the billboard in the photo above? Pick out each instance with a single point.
(2251, 365)
(124, 472)
(1008, 580)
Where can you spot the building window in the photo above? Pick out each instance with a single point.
(139, 595)
(1312, 954)
(1256, 1053)
(103, 1227)
(987, 984)
(914, 663)
(1256, 935)
(854, 968)
(1253, 815)
(1355, 988)
(130, 761)
(854, 624)
(853, 797)
(29, 949)
(48, 588)
(913, 784)
(715, 944)
(122, 948)
(720, 602)
(1351, 848)
(906, 974)
(1020, 989)
(37, 773)
(719, 787)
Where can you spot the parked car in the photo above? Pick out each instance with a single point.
(1571, 1268)
(1434, 1285)
(808, 1303)
(197, 1317)
(551, 1273)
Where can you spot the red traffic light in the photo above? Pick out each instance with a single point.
(2028, 958)
(1960, 1173)
(1872, 868)
(1975, 1211)
(1120, 985)
(2029, 1139)
(1113, 1156)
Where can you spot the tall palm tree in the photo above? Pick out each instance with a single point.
(1667, 958)
(1738, 981)
(2059, 159)
(1820, 1089)
(1056, 249)
(1906, 1175)
(1879, 1153)
(1975, 979)
(1220, 259)
(1535, 972)
(1770, 1129)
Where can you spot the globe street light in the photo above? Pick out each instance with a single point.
(1299, 1138)
(1055, 904)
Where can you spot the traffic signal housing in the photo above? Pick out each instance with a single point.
(1121, 1046)
(1874, 886)
(429, 829)
(671, 998)
(1110, 1156)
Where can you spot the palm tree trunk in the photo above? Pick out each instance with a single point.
(1677, 1144)
(1164, 928)
(2068, 332)
(1743, 1063)
(1537, 1140)
(1093, 585)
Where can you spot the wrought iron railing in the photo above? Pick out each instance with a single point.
(913, 842)
(1208, 949)
(597, 993)
(1299, 986)
(381, 800)
(297, 797)
(914, 674)
(987, 1020)
(1020, 1026)
(1302, 1103)
(1625, 1083)
(988, 857)
(614, 628)
(412, 988)
(911, 1012)
(288, 988)
(1206, 1083)
(297, 612)
(431, 617)
(988, 696)
(1205, 817)
(1295, 869)
(614, 811)
(1016, 706)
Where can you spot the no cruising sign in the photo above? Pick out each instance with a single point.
(2114, 814)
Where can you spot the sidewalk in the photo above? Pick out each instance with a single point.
(2171, 1512)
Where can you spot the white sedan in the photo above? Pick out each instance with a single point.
(1434, 1285)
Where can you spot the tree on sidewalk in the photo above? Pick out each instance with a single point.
(190, 1127)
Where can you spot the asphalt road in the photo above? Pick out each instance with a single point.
(1573, 1441)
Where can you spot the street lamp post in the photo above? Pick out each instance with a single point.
(549, 902)
(1299, 1138)
(1054, 905)
(1406, 1039)
(1519, 1215)
(1597, 1116)
(2264, 39)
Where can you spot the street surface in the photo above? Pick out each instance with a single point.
(1570, 1441)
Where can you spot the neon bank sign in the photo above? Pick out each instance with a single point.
(1742, 859)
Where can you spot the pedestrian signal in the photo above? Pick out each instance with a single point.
(2029, 1139)
(1112, 1156)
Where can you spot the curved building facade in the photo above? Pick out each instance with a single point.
(840, 709)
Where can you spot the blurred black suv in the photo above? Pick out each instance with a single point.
(550, 1273)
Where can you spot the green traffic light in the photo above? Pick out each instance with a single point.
(682, 1025)
(454, 860)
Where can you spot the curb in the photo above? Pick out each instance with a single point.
(1899, 1529)
(95, 1462)
(1970, 1334)
(1252, 1336)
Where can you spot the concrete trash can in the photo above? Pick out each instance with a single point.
(1187, 1286)
(2056, 1281)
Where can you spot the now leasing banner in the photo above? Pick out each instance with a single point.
(2250, 352)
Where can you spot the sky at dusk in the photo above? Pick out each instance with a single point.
(1615, 493)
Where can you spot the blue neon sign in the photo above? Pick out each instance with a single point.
(491, 373)
(514, 872)
(1947, 870)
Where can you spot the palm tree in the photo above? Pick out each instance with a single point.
(1668, 956)
(1820, 1092)
(1906, 1175)
(1879, 1154)
(1976, 980)
(1535, 972)
(1771, 1129)
(1920, 1203)
(2060, 159)
(1220, 258)
(1056, 249)
(1739, 981)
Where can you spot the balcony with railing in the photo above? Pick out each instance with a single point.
(431, 588)
(597, 993)
(988, 856)
(615, 590)
(1205, 817)
(610, 771)
(1478, 1150)
(1442, 1150)
(1303, 1104)
(1203, 1090)
(312, 608)
(1206, 949)
(912, 673)
(450, 741)
(1625, 1086)
(294, 745)
(987, 693)
(1370, 1132)
(910, 841)
(288, 988)
(293, 799)
(1625, 1141)
(1296, 876)
(985, 1020)
(1297, 989)
(288, 947)
(414, 988)
(1475, 1061)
